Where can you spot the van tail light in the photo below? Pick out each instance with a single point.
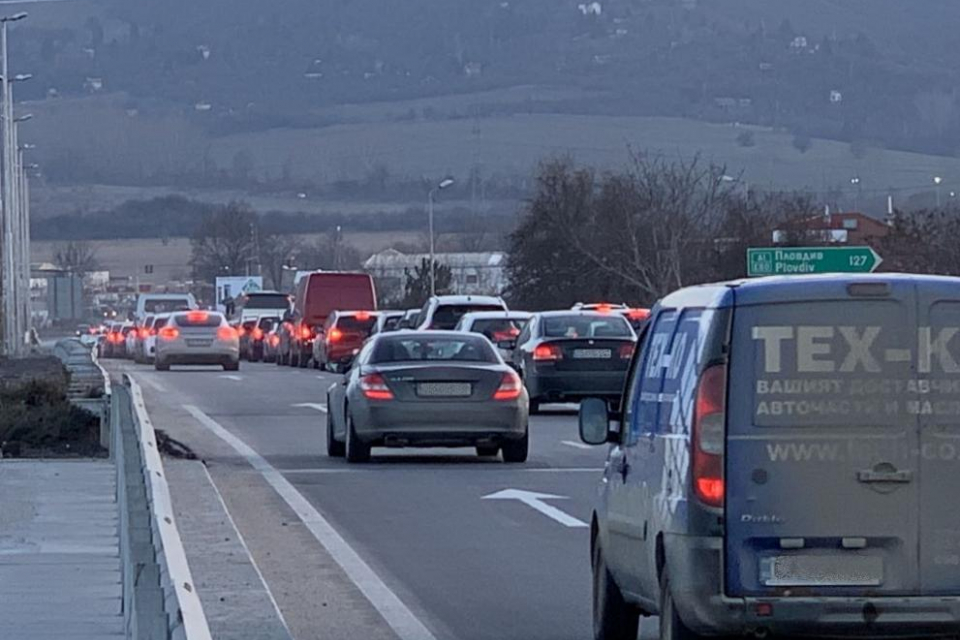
(334, 335)
(227, 333)
(169, 333)
(709, 431)
(305, 332)
(257, 334)
(510, 387)
(144, 333)
(626, 350)
(374, 387)
(547, 352)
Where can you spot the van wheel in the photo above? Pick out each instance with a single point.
(356, 450)
(671, 626)
(613, 617)
(334, 449)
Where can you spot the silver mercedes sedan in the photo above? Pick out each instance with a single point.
(197, 337)
(428, 389)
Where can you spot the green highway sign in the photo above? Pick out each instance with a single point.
(783, 261)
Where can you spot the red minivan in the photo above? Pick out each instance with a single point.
(317, 294)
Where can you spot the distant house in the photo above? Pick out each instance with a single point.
(479, 273)
(836, 97)
(799, 43)
(93, 84)
(853, 228)
(472, 69)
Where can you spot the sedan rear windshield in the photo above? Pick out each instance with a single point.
(391, 323)
(353, 324)
(447, 316)
(165, 305)
(581, 326)
(433, 349)
(267, 323)
(267, 301)
(497, 329)
(199, 319)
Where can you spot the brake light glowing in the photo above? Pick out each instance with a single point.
(114, 336)
(241, 332)
(547, 352)
(257, 334)
(709, 429)
(197, 316)
(334, 335)
(510, 387)
(227, 333)
(144, 333)
(626, 350)
(363, 315)
(305, 332)
(169, 333)
(604, 307)
(374, 387)
(638, 314)
(274, 340)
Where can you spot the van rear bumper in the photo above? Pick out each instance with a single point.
(696, 576)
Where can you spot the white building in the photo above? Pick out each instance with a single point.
(479, 273)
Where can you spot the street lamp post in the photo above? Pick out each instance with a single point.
(937, 180)
(12, 339)
(446, 182)
(855, 181)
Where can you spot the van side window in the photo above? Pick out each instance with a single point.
(680, 376)
(650, 370)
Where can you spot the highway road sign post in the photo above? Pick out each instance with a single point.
(781, 261)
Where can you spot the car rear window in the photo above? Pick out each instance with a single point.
(266, 301)
(391, 323)
(353, 324)
(199, 319)
(126, 330)
(497, 329)
(267, 323)
(432, 348)
(249, 324)
(159, 323)
(586, 326)
(447, 316)
(166, 305)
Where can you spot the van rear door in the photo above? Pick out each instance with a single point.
(938, 406)
(823, 482)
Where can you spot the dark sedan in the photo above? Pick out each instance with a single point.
(428, 389)
(566, 356)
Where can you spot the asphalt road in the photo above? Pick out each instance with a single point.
(465, 567)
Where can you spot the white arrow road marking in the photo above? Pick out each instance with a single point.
(575, 445)
(231, 377)
(313, 405)
(535, 500)
(400, 618)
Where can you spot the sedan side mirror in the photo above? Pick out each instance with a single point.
(594, 419)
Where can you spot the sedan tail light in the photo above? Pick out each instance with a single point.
(240, 331)
(510, 387)
(274, 340)
(547, 352)
(169, 333)
(227, 333)
(374, 387)
(144, 333)
(626, 351)
(334, 335)
(709, 430)
(305, 332)
(257, 334)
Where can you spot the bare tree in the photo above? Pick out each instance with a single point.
(276, 252)
(77, 256)
(223, 243)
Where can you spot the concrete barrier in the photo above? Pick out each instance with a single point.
(160, 600)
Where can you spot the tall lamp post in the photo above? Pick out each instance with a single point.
(12, 339)
(446, 182)
(937, 180)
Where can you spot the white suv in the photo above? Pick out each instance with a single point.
(444, 312)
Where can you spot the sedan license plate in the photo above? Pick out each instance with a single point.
(592, 354)
(828, 570)
(199, 343)
(444, 389)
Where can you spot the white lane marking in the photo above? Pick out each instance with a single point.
(313, 405)
(232, 377)
(576, 445)
(150, 382)
(400, 618)
(535, 501)
(243, 543)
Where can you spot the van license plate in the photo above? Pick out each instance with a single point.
(592, 354)
(444, 389)
(828, 570)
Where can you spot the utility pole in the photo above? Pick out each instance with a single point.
(446, 182)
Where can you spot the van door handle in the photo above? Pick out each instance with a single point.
(872, 476)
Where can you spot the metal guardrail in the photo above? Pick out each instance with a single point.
(182, 610)
(89, 385)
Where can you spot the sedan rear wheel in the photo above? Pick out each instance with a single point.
(517, 450)
(356, 450)
(160, 365)
(334, 449)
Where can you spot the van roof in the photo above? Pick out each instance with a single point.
(791, 288)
